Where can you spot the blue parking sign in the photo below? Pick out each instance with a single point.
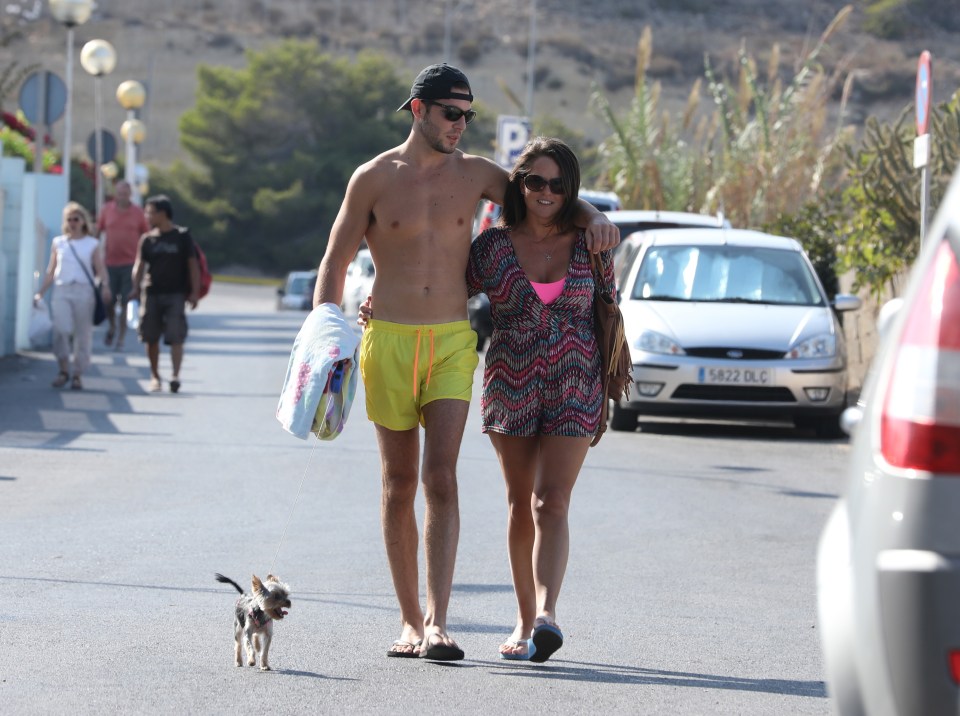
(512, 136)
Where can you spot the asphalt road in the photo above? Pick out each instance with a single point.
(690, 588)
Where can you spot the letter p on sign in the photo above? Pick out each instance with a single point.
(512, 136)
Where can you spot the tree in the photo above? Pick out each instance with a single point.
(273, 146)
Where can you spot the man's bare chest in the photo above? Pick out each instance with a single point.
(418, 208)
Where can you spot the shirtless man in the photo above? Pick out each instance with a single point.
(414, 204)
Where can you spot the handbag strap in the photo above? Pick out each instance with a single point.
(82, 265)
(600, 288)
(597, 267)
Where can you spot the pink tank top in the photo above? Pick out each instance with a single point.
(548, 292)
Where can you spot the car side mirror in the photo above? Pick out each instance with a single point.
(846, 302)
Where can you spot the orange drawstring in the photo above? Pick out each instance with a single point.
(416, 362)
(430, 367)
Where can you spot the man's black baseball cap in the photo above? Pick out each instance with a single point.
(437, 82)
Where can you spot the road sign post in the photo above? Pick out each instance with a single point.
(921, 145)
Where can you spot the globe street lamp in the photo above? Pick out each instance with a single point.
(133, 132)
(131, 96)
(70, 13)
(98, 58)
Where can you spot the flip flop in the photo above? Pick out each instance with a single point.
(547, 638)
(441, 652)
(527, 656)
(392, 651)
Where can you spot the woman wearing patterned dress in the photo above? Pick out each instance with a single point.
(541, 397)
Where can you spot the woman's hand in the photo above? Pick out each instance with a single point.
(365, 312)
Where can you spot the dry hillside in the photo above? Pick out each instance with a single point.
(581, 45)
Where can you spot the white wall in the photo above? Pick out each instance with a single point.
(32, 207)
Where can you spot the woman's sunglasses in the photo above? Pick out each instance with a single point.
(74, 218)
(453, 114)
(535, 182)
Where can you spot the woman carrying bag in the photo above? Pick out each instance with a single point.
(74, 260)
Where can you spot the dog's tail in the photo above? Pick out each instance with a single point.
(226, 580)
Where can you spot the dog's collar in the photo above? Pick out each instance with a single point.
(258, 617)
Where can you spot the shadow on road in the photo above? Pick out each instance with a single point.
(616, 674)
(34, 415)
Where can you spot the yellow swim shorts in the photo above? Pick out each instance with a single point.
(404, 367)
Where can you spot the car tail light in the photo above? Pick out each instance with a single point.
(920, 422)
(954, 657)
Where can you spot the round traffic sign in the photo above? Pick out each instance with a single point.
(46, 90)
(108, 146)
(924, 92)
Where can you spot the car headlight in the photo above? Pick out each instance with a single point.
(653, 342)
(824, 346)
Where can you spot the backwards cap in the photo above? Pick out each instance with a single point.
(437, 82)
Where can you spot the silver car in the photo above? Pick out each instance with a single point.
(731, 323)
(888, 562)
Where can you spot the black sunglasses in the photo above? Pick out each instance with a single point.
(535, 182)
(453, 114)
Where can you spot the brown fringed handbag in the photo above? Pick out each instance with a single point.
(616, 365)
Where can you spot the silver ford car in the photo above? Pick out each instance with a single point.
(731, 323)
(888, 562)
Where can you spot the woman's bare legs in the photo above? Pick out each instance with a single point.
(539, 473)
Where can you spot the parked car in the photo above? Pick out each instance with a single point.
(731, 323)
(488, 213)
(603, 200)
(296, 293)
(888, 560)
(358, 283)
(478, 309)
(633, 222)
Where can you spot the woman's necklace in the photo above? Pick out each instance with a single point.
(548, 254)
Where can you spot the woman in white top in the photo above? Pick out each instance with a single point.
(73, 256)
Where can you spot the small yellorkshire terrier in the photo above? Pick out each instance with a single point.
(255, 614)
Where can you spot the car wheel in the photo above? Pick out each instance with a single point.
(827, 428)
(623, 419)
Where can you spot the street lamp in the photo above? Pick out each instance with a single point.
(98, 58)
(131, 95)
(70, 13)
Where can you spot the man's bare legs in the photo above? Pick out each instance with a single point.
(153, 355)
(539, 473)
(399, 456)
(176, 359)
(444, 422)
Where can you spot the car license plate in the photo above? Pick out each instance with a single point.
(735, 376)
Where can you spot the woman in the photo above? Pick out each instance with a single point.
(541, 397)
(74, 256)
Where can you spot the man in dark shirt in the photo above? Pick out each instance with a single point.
(167, 276)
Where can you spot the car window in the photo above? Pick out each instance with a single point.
(725, 273)
(300, 285)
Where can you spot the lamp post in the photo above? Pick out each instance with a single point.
(70, 13)
(131, 95)
(98, 58)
